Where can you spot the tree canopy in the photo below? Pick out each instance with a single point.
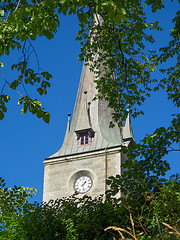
(120, 33)
(149, 215)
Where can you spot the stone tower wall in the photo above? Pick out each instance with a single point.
(60, 173)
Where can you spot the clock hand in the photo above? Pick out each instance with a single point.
(83, 183)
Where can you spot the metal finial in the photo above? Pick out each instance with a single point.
(69, 116)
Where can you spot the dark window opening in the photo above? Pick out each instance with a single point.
(85, 136)
(84, 139)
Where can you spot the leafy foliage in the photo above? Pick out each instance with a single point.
(118, 38)
(3, 99)
(20, 23)
(145, 164)
(167, 197)
(13, 205)
(86, 218)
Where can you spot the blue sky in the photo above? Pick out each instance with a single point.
(26, 141)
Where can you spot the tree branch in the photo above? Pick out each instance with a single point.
(9, 84)
(17, 5)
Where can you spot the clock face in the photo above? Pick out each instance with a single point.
(83, 184)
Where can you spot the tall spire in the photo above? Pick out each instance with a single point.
(92, 118)
(95, 119)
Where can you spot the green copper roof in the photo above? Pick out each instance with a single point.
(95, 115)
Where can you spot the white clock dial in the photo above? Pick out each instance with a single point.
(83, 184)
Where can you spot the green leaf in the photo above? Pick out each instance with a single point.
(46, 117)
(6, 98)
(48, 76)
(1, 115)
(117, 19)
(24, 109)
(20, 101)
(3, 107)
(2, 13)
(39, 114)
(33, 35)
(41, 91)
(37, 103)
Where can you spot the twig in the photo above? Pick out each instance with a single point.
(140, 224)
(11, 9)
(9, 84)
(34, 53)
(4, 78)
(167, 225)
(132, 223)
(118, 229)
(143, 227)
(17, 5)
(8, 15)
(3, 88)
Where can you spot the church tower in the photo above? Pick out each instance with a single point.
(91, 150)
